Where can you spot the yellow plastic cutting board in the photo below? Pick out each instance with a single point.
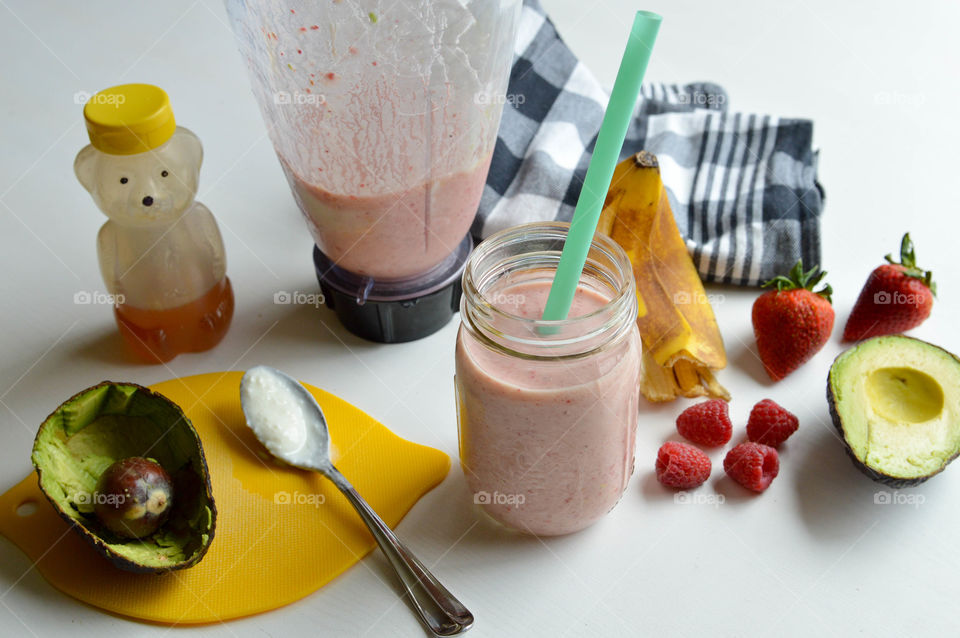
(281, 533)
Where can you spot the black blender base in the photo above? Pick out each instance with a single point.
(392, 322)
(394, 311)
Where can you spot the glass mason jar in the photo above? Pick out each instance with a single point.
(547, 410)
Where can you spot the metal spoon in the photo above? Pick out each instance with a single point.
(289, 422)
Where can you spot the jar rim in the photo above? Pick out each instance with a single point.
(621, 284)
(613, 249)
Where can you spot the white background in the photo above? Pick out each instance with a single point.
(814, 555)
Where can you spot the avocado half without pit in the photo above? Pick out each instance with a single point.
(896, 402)
(122, 446)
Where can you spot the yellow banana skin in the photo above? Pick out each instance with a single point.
(682, 343)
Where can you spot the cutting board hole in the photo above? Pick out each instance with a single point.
(27, 508)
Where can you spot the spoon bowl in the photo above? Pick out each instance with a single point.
(286, 418)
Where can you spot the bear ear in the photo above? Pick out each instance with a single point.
(85, 167)
(185, 145)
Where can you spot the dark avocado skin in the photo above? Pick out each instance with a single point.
(98, 543)
(879, 477)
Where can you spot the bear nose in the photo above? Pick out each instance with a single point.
(148, 201)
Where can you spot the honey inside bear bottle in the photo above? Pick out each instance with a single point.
(160, 253)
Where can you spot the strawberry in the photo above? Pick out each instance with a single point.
(792, 323)
(896, 297)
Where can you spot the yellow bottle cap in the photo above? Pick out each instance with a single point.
(129, 118)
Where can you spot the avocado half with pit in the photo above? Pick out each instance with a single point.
(109, 422)
(896, 402)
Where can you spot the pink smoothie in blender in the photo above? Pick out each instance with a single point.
(394, 235)
(384, 116)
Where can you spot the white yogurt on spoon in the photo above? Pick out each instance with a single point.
(279, 415)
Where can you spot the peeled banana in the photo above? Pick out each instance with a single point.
(682, 346)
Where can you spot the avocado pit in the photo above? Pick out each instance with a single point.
(133, 497)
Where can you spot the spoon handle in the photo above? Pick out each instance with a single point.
(437, 607)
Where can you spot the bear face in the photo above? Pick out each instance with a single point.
(144, 189)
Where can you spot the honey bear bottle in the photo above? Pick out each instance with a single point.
(161, 254)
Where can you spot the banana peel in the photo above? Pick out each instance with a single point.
(682, 345)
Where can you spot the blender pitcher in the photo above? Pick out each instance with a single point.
(384, 116)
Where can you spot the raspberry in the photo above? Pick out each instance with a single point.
(681, 465)
(752, 465)
(771, 424)
(706, 423)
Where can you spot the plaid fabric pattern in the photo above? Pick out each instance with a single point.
(743, 187)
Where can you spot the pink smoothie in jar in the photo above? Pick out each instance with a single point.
(547, 419)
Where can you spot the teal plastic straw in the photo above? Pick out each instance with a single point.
(613, 130)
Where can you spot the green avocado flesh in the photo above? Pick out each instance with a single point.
(109, 422)
(896, 401)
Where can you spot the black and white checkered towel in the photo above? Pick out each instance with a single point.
(743, 187)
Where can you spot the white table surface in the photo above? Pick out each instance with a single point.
(814, 555)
